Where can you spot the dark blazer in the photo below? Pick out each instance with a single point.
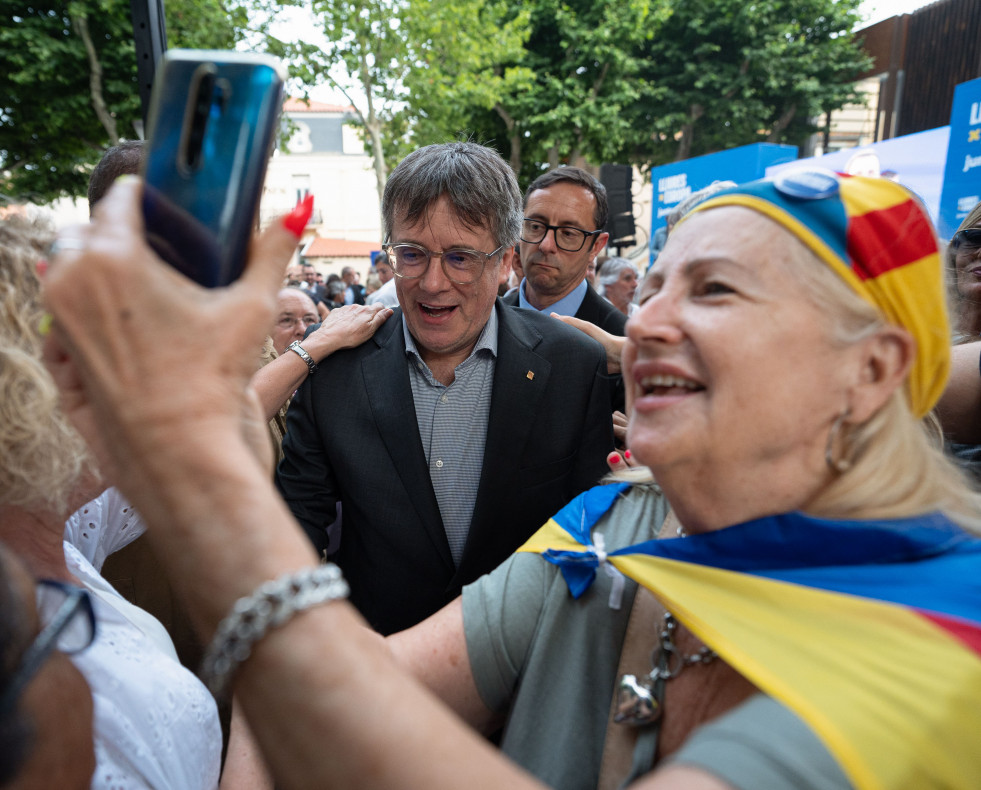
(594, 308)
(352, 435)
(602, 313)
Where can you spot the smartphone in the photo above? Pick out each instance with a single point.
(212, 124)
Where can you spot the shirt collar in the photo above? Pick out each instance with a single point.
(567, 305)
(487, 339)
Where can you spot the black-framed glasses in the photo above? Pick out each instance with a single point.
(567, 238)
(70, 628)
(970, 238)
(411, 261)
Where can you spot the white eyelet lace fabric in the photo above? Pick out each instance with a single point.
(156, 725)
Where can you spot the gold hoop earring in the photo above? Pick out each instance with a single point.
(838, 465)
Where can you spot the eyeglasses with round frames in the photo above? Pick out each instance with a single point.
(969, 239)
(411, 261)
(567, 238)
(70, 629)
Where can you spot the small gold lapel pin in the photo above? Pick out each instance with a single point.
(531, 375)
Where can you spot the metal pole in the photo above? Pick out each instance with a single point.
(150, 38)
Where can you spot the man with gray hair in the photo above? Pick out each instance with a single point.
(462, 425)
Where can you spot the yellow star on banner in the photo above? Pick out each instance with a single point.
(974, 135)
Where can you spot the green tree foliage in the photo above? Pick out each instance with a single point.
(584, 57)
(413, 70)
(364, 36)
(468, 61)
(732, 72)
(68, 84)
(585, 81)
(561, 73)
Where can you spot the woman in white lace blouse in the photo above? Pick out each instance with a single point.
(155, 725)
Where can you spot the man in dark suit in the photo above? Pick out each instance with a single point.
(316, 291)
(462, 425)
(565, 212)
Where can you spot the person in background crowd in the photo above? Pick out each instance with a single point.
(386, 294)
(317, 292)
(618, 284)
(964, 274)
(335, 294)
(297, 312)
(126, 158)
(353, 291)
(294, 276)
(481, 419)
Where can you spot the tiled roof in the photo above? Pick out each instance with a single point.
(302, 105)
(339, 248)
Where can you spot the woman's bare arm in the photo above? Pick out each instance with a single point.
(344, 327)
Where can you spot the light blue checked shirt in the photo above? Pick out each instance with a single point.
(453, 427)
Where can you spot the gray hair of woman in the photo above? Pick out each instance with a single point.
(694, 199)
(610, 272)
(477, 182)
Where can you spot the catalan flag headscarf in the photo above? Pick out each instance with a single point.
(875, 235)
(869, 630)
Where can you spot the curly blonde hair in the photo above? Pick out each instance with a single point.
(41, 455)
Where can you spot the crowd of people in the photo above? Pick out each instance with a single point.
(691, 529)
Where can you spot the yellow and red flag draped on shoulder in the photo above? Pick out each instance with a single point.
(869, 630)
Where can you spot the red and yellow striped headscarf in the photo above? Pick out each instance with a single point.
(875, 235)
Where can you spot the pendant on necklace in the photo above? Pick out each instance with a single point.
(637, 705)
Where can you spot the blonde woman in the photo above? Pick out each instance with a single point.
(155, 725)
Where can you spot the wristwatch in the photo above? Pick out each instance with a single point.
(302, 354)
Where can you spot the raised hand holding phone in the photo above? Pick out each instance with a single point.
(213, 122)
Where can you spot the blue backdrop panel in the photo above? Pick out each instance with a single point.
(962, 176)
(673, 183)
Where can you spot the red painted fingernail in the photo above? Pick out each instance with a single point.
(627, 455)
(615, 459)
(298, 218)
(41, 267)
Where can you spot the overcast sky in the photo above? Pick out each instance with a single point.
(877, 10)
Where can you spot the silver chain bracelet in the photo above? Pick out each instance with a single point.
(271, 605)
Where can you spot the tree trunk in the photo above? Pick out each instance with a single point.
(81, 26)
(514, 136)
(373, 126)
(782, 123)
(695, 112)
(576, 159)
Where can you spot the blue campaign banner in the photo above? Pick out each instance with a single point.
(673, 183)
(962, 175)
